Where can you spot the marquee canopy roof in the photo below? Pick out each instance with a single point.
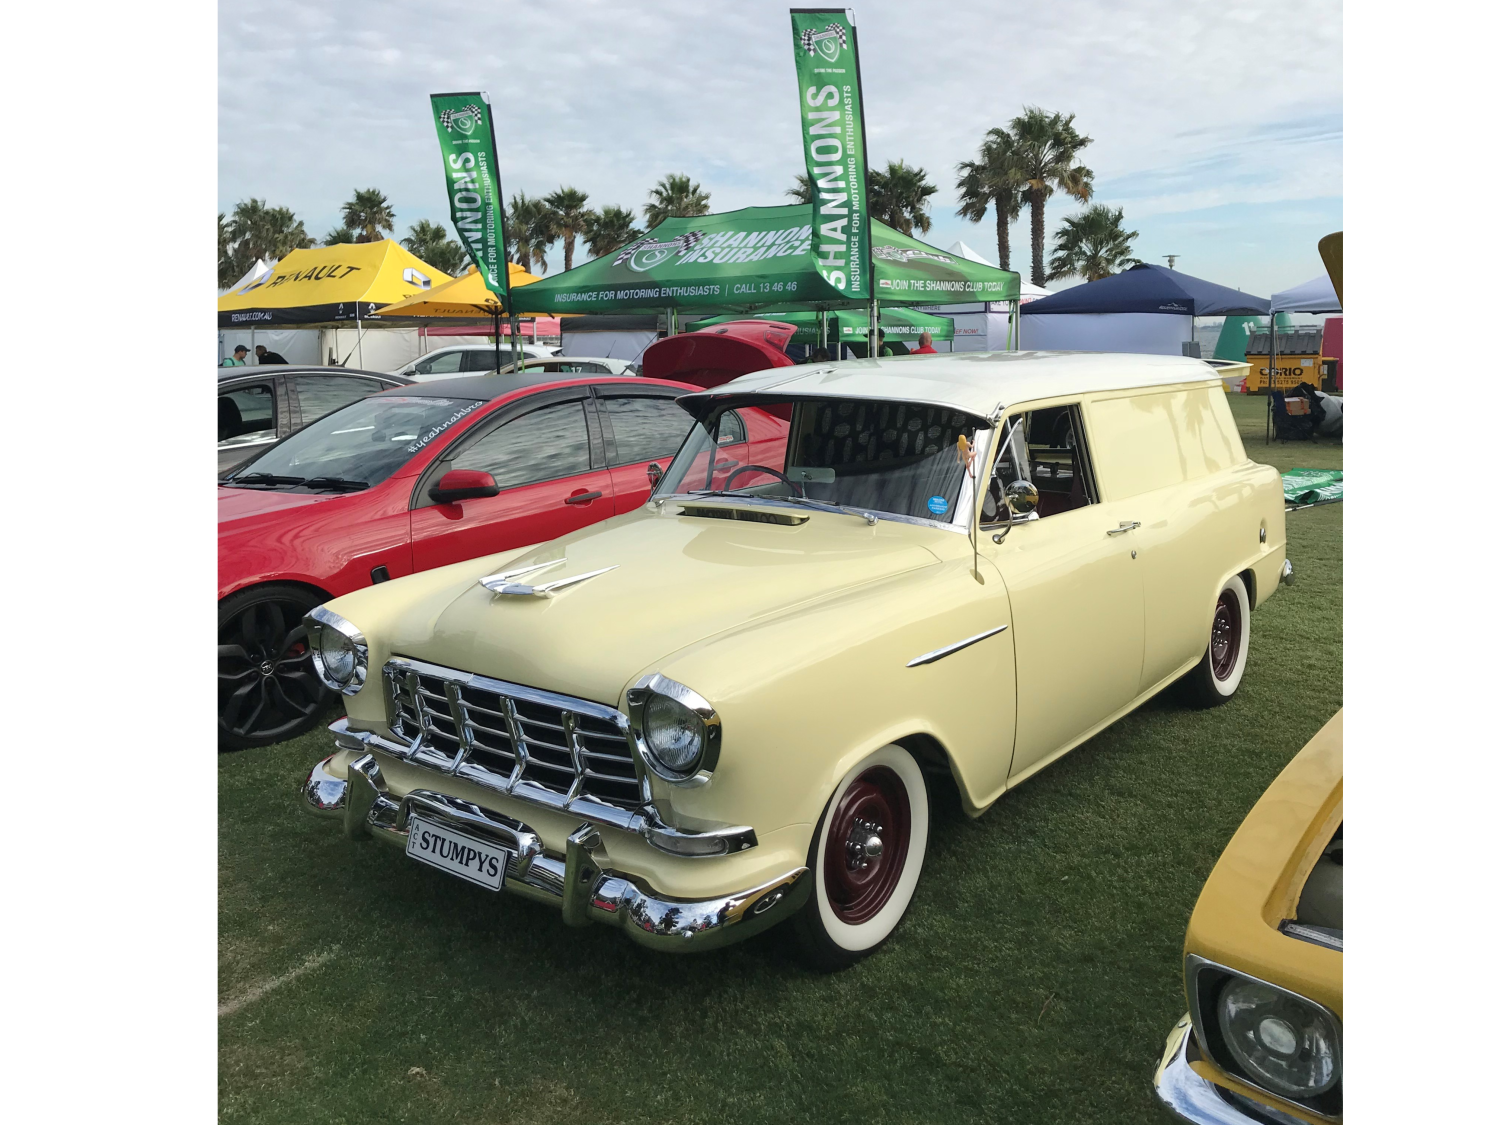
(1150, 289)
(754, 258)
(328, 284)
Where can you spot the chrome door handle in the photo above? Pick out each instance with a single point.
(1125, 525)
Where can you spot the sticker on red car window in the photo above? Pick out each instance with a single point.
(437, 428)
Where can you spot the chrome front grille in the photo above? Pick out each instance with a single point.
(510, 737)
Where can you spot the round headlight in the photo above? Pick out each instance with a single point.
(336, 654)
(674, 733)
(340, 652)
(1284, 1045)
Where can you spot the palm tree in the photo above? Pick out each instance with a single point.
(227, 276)
(1046, 146)
(531, 227)
(608, 229)
(254, 231)
(430, 242)
(675, 197)
(568, 204)
(369, 213)
(802, 191)
(1092, 245)
(338, 236)
(898, 196)
(994, 180)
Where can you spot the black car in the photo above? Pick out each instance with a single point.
(259, 406)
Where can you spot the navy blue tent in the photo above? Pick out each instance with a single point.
(1151, 289)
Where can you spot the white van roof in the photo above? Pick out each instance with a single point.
(979, 383)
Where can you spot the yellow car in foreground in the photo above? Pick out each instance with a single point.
(1263, 962)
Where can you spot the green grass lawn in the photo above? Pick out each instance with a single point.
(1034, 979)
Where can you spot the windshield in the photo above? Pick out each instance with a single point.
(360, 445)
(890, 458)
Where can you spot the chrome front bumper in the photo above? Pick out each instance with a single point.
(1188, 1096)
(576, 884)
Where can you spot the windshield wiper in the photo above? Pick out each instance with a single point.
(336, 484)
(824, 505)
(264, 478)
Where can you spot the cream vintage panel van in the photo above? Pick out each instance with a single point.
(720, 711)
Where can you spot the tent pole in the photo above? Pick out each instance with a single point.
(517, 356)
(872, 335)
(496, 315)
(1270, 377)
(359, 339)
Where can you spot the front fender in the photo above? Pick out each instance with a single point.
(805, 694)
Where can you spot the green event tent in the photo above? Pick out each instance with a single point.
(849, 325)
(755, 258)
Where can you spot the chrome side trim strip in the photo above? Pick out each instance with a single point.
(948, 650)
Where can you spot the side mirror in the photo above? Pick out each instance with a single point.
(654, 474)
(1021, 498)
(463, 484)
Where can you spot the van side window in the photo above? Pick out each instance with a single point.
(1048, 449)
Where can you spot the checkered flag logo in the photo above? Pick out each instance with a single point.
(645, 253)
(449, 116)
(811, 40)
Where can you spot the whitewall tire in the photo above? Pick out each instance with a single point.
(866, 858)
(1217, 676)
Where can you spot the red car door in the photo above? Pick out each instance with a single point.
(642, 424)
(545, 452)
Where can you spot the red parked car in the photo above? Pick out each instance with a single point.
(410, 479)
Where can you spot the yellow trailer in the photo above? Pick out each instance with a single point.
(1298, 360)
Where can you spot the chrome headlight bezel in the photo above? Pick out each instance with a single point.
(316, 622)
(1206, 982)
(637, 700)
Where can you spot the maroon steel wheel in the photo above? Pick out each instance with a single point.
(1224, 642)
(869, 833)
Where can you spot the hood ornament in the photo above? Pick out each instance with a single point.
(505, 582)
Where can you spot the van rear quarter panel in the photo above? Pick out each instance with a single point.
(1174, 457)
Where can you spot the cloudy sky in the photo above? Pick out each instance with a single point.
(1218, 128)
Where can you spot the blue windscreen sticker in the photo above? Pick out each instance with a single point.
(937, 505)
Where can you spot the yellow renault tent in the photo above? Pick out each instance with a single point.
(463, 296)
(329, 284)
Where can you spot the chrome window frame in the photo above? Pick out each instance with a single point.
(1193, 967)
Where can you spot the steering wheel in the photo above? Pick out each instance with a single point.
(790, 483)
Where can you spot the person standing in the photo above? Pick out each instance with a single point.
(924, 345)
(262, 355)
(238, 359)
(882, 349)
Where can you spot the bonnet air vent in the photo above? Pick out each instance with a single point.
(747, 515)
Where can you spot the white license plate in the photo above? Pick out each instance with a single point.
(459, 854)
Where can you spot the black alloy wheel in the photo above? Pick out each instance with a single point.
(268, 690)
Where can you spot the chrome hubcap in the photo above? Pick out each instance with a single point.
(863, 844)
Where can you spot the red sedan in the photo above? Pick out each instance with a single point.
(410, 479)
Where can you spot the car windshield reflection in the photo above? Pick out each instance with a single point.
(366, 442)
(909, 461)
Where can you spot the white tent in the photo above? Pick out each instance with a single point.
(1029, 292)
(259, 271)
(1315, 296)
